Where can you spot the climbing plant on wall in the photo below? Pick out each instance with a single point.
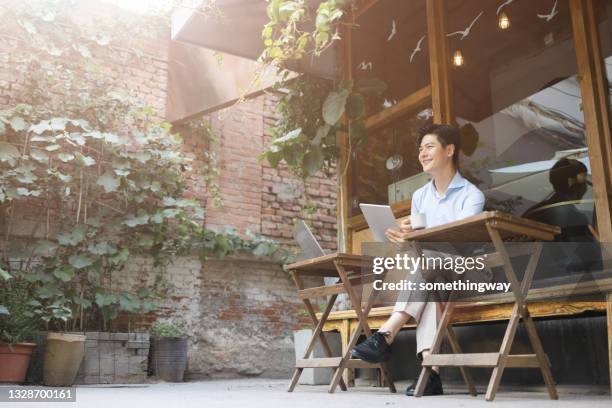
(90, 178)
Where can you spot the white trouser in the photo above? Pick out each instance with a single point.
(420, 307)
(426, 315)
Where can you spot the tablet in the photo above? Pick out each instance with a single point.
(379, 218)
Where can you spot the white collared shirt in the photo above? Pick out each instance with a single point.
(461, 200)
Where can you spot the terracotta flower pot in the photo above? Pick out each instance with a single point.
(63, 358)
(14, 361)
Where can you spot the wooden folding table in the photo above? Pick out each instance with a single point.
(351, 271)
(492, 227)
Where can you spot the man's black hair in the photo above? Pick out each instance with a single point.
(446, 134)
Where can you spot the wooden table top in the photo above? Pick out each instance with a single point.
(324, 265)
(471, 229)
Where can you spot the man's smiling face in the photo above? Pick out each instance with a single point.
(433, 156)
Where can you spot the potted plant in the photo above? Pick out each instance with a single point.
(17, 329)
(169, 354)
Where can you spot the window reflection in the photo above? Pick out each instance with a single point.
(519, 91)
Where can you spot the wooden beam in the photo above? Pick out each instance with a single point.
(353, 363)
(344, 169)
(329, 362)
(363, 6)
(439, 59)
(321, 291)
(474, 312)
(594, 89)
(461, 360)
(482, 360)
(408, 104)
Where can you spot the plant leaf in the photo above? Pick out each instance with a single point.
(8, 153)
(39, 155)
(313, 161)
(5, 275)
(65, 157)
(120, 257)
(355, 106)
(142, 157)
(86, 160)
(129, 302)
(64, 274)
(85, 303)
(334, 106)
(322, 132)
(104, 299)
(45, 247)
(135, 220)
(101, 248)
(109, 182)
(74, 237)
(18, 124)
(80, 261)
(288, 137)
(52, 148)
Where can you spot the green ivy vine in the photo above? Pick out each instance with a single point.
(312, 110)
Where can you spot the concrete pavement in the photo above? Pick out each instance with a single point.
(262, 393)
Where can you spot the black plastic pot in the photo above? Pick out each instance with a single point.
(169, 358)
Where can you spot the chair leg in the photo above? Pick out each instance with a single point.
(503, 352)
(465, 373)
(536, 344)
(317, 333)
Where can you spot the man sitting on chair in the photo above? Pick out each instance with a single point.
(446, 198)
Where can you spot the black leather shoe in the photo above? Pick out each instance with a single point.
(374, 349)
(433, 387)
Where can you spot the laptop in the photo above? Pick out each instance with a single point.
(306, 240)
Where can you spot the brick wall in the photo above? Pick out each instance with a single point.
(283, 196)
(256, 196)
(128, 48)
(239, 312)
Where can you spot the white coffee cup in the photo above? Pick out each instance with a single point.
(418, 221)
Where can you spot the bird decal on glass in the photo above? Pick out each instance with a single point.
(393, 31)
(501, 6)
(365, 66)
(417, 49)
(550, 15)
(466, 32)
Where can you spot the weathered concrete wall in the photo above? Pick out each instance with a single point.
(239, 313)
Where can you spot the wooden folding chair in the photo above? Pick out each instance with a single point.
(348, 269)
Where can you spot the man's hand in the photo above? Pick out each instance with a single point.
(400, 236)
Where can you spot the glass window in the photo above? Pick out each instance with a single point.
(518, 101)
(389, 44)
(386, 170)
